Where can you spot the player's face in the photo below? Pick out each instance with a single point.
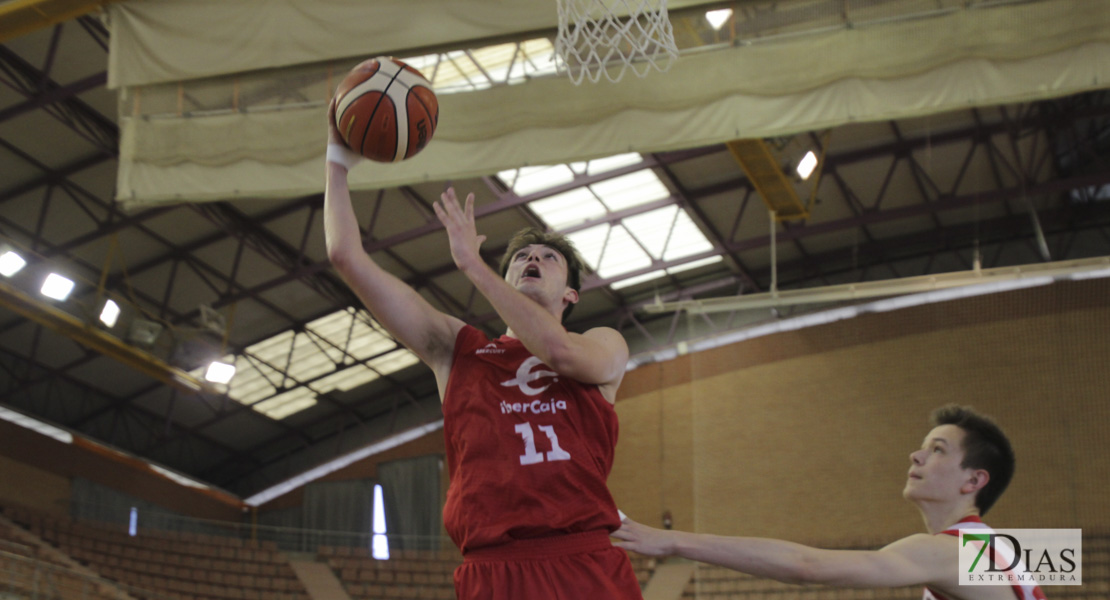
(935, 473)
(538, 271)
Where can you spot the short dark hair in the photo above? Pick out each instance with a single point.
(985, 447)
(560, 243)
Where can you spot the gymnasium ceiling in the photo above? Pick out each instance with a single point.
(1002, 185)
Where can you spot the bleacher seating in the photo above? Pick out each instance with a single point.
(185, 566)
(31, 570)
(407, 574)
(178, 566)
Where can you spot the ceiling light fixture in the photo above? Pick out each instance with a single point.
(807, 165)
(219, 372)
(56, 287)
(11, 263)
(109, 314)
(718, 18)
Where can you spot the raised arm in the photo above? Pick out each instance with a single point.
(916, 560)
(404, 313)
(598, 356)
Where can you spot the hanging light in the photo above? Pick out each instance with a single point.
(56, 287)
(807, 165)
(219, 372)
(109, 314)
(10, 262)
(718, 18)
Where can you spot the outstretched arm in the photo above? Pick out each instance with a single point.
(915, 560)
(598, 356)
(405, 314)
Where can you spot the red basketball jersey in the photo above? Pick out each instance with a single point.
(1022, 591)
(528, 451)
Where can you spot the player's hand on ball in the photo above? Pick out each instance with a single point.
(459, 223)
(338, 152)
(333, 133)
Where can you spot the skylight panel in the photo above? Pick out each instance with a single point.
(308, 362)
(568, 208)
(393, 362)
(507, 63)
(254, 380)
(249, 391)
(347, 379)
(274, 350)
(622, 255)
(286, 404)
(468, 69)
(497, 60)
(630, 190)
(610, 250)
(310, 359)
(590, 243)
(538, 57)
(527, 180)
(335, 325)
(370, 344)
(609, 163)
(695, 264)
(425, 63)
(444, 74)
(449, 71)
(653, 229)
(518, 71)
(686, 240)
(668, 233)
(331, 346)
(631, 281)
(481, 68)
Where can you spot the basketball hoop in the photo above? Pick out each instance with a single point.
(606, 37)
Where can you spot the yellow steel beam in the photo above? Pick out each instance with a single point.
(20, 17)
(66, 324)
(763, 170)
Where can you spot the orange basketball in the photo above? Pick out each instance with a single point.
(386, 110)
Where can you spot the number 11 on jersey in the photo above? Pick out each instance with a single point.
(530, 456)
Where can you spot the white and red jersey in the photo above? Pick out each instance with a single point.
(528, 451)
(1022, 591)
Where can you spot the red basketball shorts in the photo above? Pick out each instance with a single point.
(581, 566)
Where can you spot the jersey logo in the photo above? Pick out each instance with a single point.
(525, 376)
(490, 348)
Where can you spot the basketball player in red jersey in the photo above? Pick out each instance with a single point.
(961, 469)
(528, 416)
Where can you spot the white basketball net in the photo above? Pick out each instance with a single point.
(606, 37)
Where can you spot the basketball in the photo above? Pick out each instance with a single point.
(386, 110)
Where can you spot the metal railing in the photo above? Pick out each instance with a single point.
(287, 539)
